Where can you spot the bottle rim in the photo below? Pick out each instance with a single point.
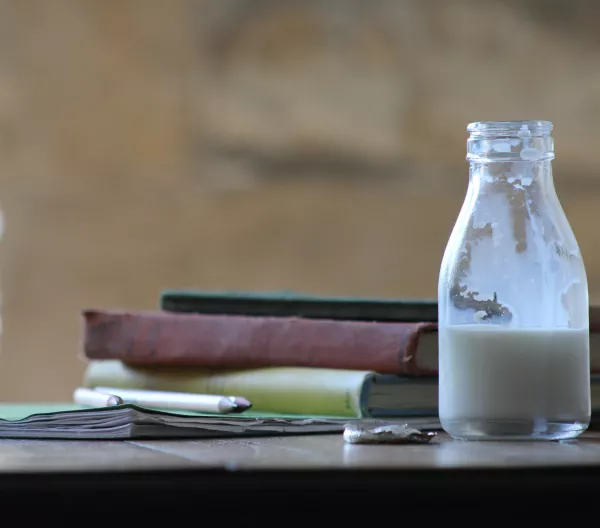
(528, 128)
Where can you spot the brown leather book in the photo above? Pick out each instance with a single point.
(234, 341)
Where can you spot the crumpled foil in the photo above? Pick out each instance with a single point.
(385, 433)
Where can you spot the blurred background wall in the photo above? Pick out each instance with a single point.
(315, 146)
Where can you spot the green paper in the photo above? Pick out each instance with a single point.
(18, 411)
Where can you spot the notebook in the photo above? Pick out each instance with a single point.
(127, 422)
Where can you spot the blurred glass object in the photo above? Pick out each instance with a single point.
(513, 297)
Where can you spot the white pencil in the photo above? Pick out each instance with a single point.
(85, 396)
(212, 403)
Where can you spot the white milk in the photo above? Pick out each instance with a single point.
(534, 379)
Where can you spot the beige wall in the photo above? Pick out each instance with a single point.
(315, 146)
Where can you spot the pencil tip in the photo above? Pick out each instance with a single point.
(241, 404)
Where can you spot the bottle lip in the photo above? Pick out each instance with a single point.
(520, 129)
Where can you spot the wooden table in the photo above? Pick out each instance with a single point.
(247, 479)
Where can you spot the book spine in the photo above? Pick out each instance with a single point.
(287, 390)
(293, 305)
(223, 341)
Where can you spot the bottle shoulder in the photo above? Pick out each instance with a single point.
(518, 258)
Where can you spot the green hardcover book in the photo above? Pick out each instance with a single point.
(287, 390)
(289, 304)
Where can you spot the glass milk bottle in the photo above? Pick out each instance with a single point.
(513, 297)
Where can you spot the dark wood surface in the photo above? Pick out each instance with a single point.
(244, 478)
(315, 452)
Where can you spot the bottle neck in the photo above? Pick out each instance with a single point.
(519, 175)
(511, 162)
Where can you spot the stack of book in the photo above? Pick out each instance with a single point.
(286, 353)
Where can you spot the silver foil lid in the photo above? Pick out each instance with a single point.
(385, 433)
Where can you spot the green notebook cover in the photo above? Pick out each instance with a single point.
(19, 411)
(294, 304)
